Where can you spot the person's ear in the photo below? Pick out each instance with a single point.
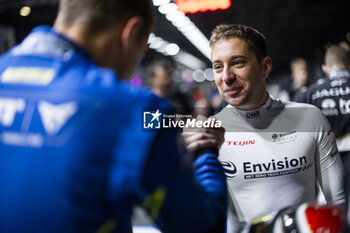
(130, 31)
(325, 69)
(267, 66)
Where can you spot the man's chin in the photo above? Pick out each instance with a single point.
(234, 101)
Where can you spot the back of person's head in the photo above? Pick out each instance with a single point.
(99, 15)
(338, 56)
(255, 39)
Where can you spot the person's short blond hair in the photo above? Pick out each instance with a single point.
(338, 55)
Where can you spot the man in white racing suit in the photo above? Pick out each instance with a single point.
(276, 154)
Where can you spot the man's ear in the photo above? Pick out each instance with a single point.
(325, 69)
(267, 66)
(130, 31)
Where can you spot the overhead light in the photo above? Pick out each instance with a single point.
(193, 6)
(172, 49)
(160, 2)
(185, 26)
(168, 8)
(209, 74)
(189, 61)
(198, 75)
(25, 11)
(156, 43)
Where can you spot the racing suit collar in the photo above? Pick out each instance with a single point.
(260, 117)
(45, 41)
(336, 74)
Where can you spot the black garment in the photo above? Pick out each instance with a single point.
(332, 96)
(288, 86)
(179, 101)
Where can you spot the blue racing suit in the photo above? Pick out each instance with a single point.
(75, 158)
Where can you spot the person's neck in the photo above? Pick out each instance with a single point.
(255, 106)
(94, 45)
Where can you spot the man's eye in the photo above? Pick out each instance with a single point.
(238, 63)
(217, 67)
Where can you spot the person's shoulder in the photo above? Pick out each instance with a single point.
(106, 81)
(222, 114)
(293, 104)
(230, 118)
(301, 109)
(308, 112)
(319, 84)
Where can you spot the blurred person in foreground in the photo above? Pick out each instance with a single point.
(160, 77)
(73, 154)
(298, 79)
(332, 96)
(276, 154)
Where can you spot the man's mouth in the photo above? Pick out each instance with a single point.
(233, 91)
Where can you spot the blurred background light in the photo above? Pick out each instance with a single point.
(25, 11)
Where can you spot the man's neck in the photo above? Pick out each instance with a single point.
(94, 45)
(255, 106)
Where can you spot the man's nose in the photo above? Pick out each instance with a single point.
(228, 75)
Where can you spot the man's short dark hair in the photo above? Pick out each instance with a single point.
(102, 14)
(254, 38)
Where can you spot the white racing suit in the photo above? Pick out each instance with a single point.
(279, 155)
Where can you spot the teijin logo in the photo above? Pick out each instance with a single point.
(241, 143)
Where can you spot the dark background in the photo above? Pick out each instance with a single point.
(293, 28)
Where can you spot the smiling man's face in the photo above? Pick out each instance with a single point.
(239, 76)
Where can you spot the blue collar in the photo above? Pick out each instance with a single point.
(46, 42)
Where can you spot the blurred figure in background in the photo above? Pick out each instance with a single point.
(332, 96)
(217, 101)
(297, 81)
(74, 156)
(161, 81)
(202, 105)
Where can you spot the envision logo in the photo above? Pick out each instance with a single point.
(270, 168)
(274, 165)
(230, 169)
